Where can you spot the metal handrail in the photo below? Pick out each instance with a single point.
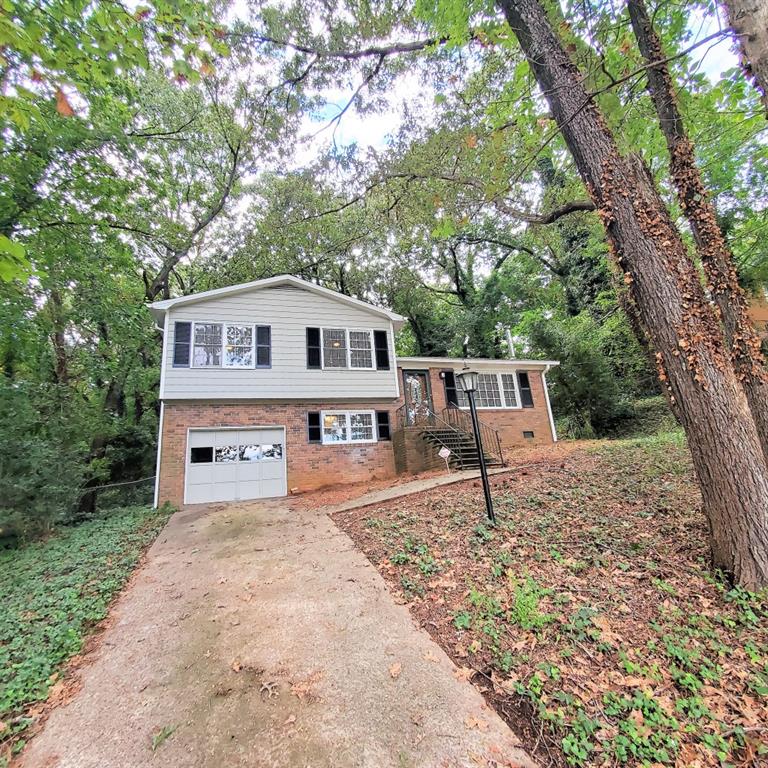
(490, 436)
(428, 418)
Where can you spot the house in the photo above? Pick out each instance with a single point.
(281, 385)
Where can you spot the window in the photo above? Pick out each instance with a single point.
(272, 452)
(226, 454)
(201, 455)
(361, 426)
(238, 352)
(508, 384)
(335, 428)
(494, 390)
(334, 348)
(488, 395)
(224, 345)
(347, 427)
(207, 347)
(250, 452)
(527, 434)
(360, 349)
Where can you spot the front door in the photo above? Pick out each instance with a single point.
(418, 397)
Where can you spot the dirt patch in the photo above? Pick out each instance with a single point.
(587, 617)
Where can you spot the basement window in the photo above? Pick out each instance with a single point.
(348, 427)
(528, 434)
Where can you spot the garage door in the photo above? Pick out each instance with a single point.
(235, 464)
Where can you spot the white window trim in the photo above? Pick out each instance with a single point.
(505, 406)
(348, 367)
(347, 415)
(224, 326)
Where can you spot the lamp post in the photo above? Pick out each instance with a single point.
(468, 381)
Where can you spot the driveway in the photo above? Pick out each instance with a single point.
(257, 635)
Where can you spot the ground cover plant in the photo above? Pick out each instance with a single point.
(589, 616)
(53, 593)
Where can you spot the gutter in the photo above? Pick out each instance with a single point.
(544, 373)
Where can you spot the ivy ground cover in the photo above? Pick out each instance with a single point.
(588, 615)
(53, 593)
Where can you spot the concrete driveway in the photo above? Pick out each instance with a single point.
(257, 635)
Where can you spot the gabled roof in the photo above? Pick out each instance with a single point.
(159, 308)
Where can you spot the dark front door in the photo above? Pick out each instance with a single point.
(418, 397)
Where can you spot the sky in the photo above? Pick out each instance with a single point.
(373, 130)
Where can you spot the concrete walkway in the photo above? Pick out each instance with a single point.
(257, 635)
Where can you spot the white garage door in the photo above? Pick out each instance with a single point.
(235, 464)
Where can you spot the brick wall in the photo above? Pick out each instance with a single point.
(309, 465)
(508, 422)
(413, 453)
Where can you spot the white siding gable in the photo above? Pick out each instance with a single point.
(289, 311)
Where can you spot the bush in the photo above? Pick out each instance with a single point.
(588, 394)
(41, 462)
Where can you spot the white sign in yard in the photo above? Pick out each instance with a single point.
(444, 453)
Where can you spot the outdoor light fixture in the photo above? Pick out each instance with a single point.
(469, 380)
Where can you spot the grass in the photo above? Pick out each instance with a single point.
(588, 614)
(53, 593)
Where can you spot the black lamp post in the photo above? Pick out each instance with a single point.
(468, 381)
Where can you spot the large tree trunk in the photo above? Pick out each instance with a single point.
(716, 257)
(749, 20)
(675, 314)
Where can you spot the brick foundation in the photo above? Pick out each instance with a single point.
(309, 465)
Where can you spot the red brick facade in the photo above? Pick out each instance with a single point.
(312, 465)
(508, 422)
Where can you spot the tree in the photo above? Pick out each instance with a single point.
(663, 284)
(749, 19)
(711, 247)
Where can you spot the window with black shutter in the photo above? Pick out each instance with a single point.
(526, 396)
(381, 344)
(182, 339)
(263, 346)
(382, 425)
(449, 380)
(314, 352)
(314, 431)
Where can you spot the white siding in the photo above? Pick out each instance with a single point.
(289, 311)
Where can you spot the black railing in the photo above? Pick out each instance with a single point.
(457, 425)
(463, 421)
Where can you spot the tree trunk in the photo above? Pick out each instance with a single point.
(672, 308)
(749, 20)
(716, 257)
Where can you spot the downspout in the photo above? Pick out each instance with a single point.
(161, 393)
(549, 406)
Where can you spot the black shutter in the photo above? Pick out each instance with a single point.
(263, 346)
(526, 396)
(382, 425)
(182, 342)
(314, 432)
(381, 343)
(314, 357)
(449, 379)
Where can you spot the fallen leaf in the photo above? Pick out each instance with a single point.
(463, 673)
(475, 722)
(236, 665)
(395, 669)
(290, 720)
